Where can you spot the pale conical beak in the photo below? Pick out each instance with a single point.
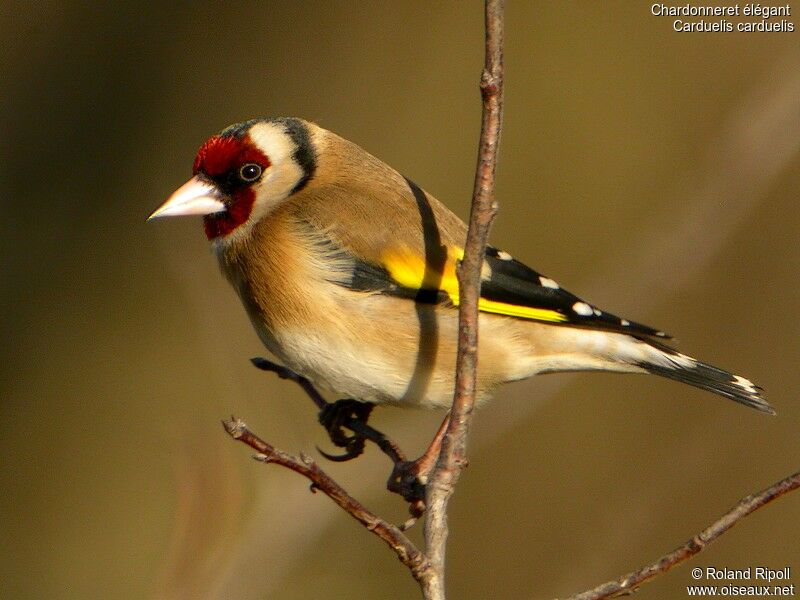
(195, 197)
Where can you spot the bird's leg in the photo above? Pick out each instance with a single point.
(287, 373)
(334, 416)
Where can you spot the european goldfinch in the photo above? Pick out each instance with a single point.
(347, 272)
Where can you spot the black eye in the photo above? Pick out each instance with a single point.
(250, 172)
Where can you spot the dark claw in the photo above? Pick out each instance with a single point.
(338, 415)
(349, 455)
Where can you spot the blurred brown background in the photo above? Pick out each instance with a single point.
(653, 172)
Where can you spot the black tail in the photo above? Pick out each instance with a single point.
(706, 377)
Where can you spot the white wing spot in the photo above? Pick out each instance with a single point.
(745, 383)
(548, 283)
(597, 312)
(502, 255)
(582, 309)
(624, 322)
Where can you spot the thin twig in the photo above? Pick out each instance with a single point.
(405, 549)
(627, 584)
(452, 457)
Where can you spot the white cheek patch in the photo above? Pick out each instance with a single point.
(282, 175)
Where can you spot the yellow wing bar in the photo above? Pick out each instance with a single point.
(409, 270)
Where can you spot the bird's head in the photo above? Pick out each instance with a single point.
(243, 173)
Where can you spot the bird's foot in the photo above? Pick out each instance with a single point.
(409, 478)
(334, 417)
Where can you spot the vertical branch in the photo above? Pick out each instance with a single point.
(452, 457)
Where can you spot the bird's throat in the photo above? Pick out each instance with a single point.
(219, 225)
